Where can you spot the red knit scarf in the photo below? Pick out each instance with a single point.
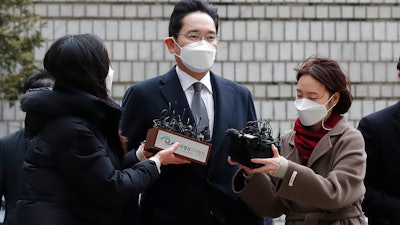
(305, 139)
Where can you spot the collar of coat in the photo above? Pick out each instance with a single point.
(326, 140)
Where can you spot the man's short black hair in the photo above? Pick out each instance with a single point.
(186, 7)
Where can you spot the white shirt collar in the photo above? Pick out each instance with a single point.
(187, 80)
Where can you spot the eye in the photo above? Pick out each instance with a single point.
(211, 38)
(192, 36)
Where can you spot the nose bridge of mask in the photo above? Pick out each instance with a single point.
(193, 45)
(198, 56)
(305, 103)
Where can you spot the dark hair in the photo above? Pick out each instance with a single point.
(398, 65)
(40, 79)
(186, 7)
(79, 61)
(329, 73)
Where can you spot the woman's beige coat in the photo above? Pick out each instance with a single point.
(329, 190)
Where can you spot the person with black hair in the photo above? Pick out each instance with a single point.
(76, 171)
(192, 194)
(13, 148)
(381, 130)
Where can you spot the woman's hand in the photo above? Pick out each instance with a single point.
(270, 165)
(241, 166)
(167, 156)
(147, 154)
(124, 141)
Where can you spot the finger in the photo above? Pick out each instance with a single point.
(259, 160)
(180, 160)
(149, 151)
(141, 147)
(174, 146)
(184, 161)
(243, 167)
(257, 170)
(247, 170)
(230, 161)
(275, 151)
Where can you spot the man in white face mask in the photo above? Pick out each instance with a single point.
(193, 194)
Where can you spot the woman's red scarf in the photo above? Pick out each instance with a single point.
(305, 139)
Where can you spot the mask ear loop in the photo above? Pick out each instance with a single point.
(329, 101)
(177, 46)
(325, 128)
(323, 125)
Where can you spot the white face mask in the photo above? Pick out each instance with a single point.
(311, 112)
(197, 56)
(109, 79)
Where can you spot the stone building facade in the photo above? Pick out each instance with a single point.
(261, 42)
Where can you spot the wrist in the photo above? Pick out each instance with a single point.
(140, 155)
(157, 162)
(280, 172)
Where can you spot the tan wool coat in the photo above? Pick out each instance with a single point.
(329, 190)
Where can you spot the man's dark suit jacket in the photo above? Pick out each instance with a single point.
(381, 131)
(188, 194)
(12, 155)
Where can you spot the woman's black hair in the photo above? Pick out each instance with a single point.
(79, 61)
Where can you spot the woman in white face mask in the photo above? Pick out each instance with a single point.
(318, 178)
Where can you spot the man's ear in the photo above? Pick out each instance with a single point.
(170, 44)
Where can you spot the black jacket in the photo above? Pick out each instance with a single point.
(381, 131)
(72, 172)
(12, 152)
(192, 193)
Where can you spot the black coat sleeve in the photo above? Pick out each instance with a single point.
(91, 169)
(378, 202)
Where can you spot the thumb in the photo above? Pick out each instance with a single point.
(275, 151)
(174, 146)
